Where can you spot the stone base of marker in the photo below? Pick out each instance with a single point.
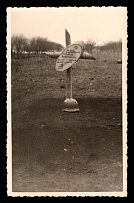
(70, 105)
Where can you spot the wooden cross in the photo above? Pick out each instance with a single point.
(65, 60)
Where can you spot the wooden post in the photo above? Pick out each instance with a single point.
(69, 84)
(69, 70)
(70, 104)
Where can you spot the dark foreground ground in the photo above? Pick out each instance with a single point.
(56, 151)
(76, 152)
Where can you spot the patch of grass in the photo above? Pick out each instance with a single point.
(90, 78)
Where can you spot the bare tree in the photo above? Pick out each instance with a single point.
(12, 45)
(90, 44)
(42, 44)
(112, 46)
(19, 43)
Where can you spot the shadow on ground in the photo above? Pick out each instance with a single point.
(57, 151)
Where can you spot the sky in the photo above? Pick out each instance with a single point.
(101, 24)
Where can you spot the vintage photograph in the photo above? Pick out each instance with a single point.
(67, 101)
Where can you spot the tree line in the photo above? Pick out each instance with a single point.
(20, 44)
(111, 46)
(108, 46)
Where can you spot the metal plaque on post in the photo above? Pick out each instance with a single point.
(68, 57)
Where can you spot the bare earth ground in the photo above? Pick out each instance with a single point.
(66, 152)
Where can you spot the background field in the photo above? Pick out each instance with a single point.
(58, 151)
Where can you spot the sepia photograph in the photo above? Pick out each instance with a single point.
(67, 101)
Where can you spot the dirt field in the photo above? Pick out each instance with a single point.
(66, 152)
